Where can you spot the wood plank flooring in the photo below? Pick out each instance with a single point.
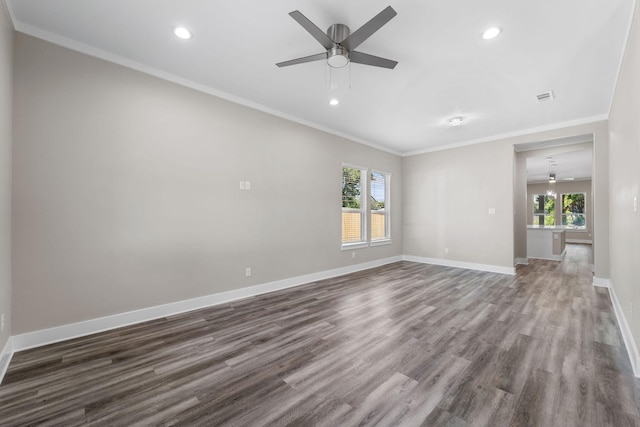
(405, 344)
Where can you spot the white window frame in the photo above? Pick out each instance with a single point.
(365, 209)
(364, 205)
(387, 208)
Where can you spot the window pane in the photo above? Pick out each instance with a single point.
(537, 208)
(351, 187)
(575, 220)
(573, 210)
(378, 210)
(544, 208)
(353, 221)
(573, 203)
(351, 227)
(378, 225)
(378, 183)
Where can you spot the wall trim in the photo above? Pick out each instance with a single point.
(521, 261)
(586, 242)
(5, 357)
(74, 330)
(499, 137)
(627, 336)
(601, 282)
(552, 257)
(460, 264)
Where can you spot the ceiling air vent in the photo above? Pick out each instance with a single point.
(545, 96)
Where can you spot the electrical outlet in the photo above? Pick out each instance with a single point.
(247, 271)
(242, 185)
(353, 254)
(446, 250)
(247, 185)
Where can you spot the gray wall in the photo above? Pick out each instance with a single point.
(625, 182)
(6, 140)
(448, 193)
(447, 197)
(560, 188)
(126, 192)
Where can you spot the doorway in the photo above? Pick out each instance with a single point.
(553, 187)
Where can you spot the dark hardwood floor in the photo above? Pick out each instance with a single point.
(405, 344)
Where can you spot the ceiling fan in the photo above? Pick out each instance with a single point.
(340, 43)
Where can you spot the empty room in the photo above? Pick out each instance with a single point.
(319, 213)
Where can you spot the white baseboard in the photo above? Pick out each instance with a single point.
(88, 327)
(629, 342)
(74, 330)
(600, 282)
(585, 242)
(522, 261)
(5, 357)
(459, 264)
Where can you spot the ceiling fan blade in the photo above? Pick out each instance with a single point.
(310, 58)
(376, 61)
(364, 32)
(312, 29)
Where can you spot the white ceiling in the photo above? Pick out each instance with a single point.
(569, 166)
(572, 47)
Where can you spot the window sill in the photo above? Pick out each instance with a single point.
(381, 242)
(356, 245)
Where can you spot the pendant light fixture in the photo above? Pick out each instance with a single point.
(552, 181)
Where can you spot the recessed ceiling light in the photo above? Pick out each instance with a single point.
(456, 121)
(491, 33)
(334, 102)
(182, 33)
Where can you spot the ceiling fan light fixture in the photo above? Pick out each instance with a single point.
(182, 33)
(491, 33)
(337, 57)
(340, 44)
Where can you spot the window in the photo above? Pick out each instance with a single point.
(544, 210)
(354, 186)
(573, 210)
(365, 207)
(379, 206)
